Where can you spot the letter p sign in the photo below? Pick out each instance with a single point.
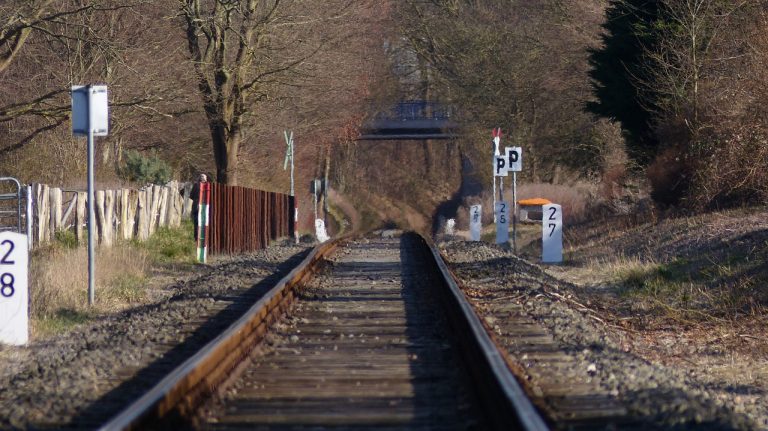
(500, 166)
(514, 159)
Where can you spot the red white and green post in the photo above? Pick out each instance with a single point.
(202, 221)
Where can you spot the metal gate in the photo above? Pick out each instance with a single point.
(12, 197)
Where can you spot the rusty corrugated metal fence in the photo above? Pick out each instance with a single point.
(244, 219)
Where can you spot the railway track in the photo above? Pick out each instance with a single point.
(382, 338)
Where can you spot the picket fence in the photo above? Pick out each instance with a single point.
(120, 214)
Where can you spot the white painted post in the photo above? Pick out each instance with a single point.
(14, 293)
(475, 222)
(552, 234)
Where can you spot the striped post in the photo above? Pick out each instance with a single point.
(202, 222)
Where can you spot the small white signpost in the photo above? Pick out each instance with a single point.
(320, 232)
(14, 294)
(552, 234)
(90, 117)
(475, 222)
(502, 222)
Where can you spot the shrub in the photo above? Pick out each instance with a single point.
(168, 245)
(141, 169)
(66, 238)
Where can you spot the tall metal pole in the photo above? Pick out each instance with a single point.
(291, 156)
(514, 212)
(494, 197)
(293, 193)
(91, 219)
(30, 241)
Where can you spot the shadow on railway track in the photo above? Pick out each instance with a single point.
(437, 368)
(121, 396)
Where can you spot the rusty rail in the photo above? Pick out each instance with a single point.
(244, 219)
(176, 397)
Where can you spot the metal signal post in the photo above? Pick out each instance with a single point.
(90, 117)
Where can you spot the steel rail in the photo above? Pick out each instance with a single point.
(501, 394)
(178, 394)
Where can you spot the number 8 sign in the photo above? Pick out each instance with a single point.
(14, 296)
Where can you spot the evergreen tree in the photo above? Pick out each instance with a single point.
(618, 73)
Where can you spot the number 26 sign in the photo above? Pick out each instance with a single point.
(14, 296)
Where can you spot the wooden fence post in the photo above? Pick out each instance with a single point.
(186, 211)
(109, 218)
(153, 205)
(142, 211)
(80, 218)
(126, 225)
(100, 215)
(43, 217)
(163, 217)
(55, 221)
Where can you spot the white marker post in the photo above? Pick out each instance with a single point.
(14, 293)
(90, 117)
(514, 164)
(496, 134)
(475, 222)
(552, 234)
(502, 222)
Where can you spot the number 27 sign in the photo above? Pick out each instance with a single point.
(552, 233)
(14, 296)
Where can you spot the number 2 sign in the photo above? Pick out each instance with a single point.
(14, 296)
(552, 233)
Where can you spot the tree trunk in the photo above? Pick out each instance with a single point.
(225, 150)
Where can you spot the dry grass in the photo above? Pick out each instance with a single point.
(59, 284)
(576, 199)
(59, 277)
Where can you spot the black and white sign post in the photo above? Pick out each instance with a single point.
(496, 134)
(552, 234)
(90, 117)
(14, 294)
(289, 156)
(514, 164)
(501, 208)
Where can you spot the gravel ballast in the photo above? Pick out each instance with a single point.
(80, 379)
(600, 350)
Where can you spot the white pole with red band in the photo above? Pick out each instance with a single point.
(203, 214)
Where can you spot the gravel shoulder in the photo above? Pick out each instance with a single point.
(603, 349)
(80, 379)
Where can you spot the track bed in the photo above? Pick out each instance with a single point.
(367, 345)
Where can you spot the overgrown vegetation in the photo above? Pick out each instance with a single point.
(59, 277)
(686, 79)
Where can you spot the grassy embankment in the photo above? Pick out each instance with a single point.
(690, 270)
(59, 277)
